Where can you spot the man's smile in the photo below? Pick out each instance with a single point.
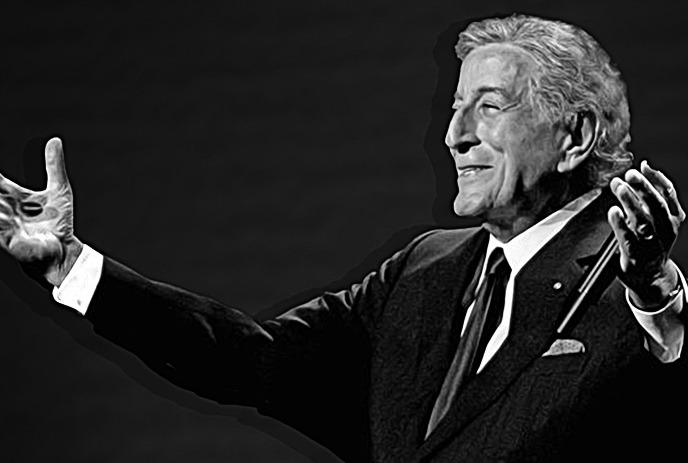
(472, 170)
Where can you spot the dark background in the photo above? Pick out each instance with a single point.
(256, 152)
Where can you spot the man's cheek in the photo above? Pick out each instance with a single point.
(500, 184)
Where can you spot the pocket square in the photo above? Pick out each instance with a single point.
(565, 346)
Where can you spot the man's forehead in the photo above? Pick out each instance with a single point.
(497, 67)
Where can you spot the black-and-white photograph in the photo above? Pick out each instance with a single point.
(337, 232)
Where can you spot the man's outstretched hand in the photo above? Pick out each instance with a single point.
(36, 227)
(646, 224)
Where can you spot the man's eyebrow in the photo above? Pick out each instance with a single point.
(485, 89)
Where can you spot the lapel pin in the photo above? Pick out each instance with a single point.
(557, 285)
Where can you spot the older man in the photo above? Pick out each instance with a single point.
(448, 352)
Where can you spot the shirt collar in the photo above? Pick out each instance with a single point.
(521, 248)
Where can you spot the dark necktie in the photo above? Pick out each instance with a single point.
(483, 321)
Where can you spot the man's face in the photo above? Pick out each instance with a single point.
(501, 147)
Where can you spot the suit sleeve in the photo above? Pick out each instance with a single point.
(222, 353)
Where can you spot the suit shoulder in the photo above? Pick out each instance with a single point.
(442, 238)
(438, 243)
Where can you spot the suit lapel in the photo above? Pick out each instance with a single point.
(537, 308)
(454, 280)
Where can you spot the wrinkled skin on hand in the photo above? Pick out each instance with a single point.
(37, 227)
(646, 224)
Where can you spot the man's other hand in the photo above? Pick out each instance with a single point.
(646, 230)
(36, 227)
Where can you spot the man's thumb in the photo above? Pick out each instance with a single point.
(55, 164)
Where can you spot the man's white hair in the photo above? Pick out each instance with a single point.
(576, 76)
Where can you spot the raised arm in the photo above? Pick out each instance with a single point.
(316, 354)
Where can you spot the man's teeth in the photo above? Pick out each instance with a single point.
(468, 171)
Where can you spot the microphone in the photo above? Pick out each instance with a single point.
(599, 273)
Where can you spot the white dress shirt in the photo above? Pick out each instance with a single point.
(665, 332)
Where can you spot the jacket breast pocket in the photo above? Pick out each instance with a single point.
(564, 365)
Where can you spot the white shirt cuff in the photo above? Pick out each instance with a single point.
(665, 331)
(79, 286)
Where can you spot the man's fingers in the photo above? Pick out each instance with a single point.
(654, 202)
(6, 221)
(634, 208)
(645, 190)
(8, 227)
(55, 164)
(666, 187)
(5, 206)
(624, 235)
(8, 187)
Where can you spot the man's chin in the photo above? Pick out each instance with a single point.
(469, 207)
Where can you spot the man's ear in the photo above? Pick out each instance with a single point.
(580, 140)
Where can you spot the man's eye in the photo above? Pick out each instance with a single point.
(489, 108)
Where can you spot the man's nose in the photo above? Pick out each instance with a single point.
(461, 133)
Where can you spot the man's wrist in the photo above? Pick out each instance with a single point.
(660, 293)
(72, 251)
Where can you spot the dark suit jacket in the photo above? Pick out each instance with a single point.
(359, 370)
